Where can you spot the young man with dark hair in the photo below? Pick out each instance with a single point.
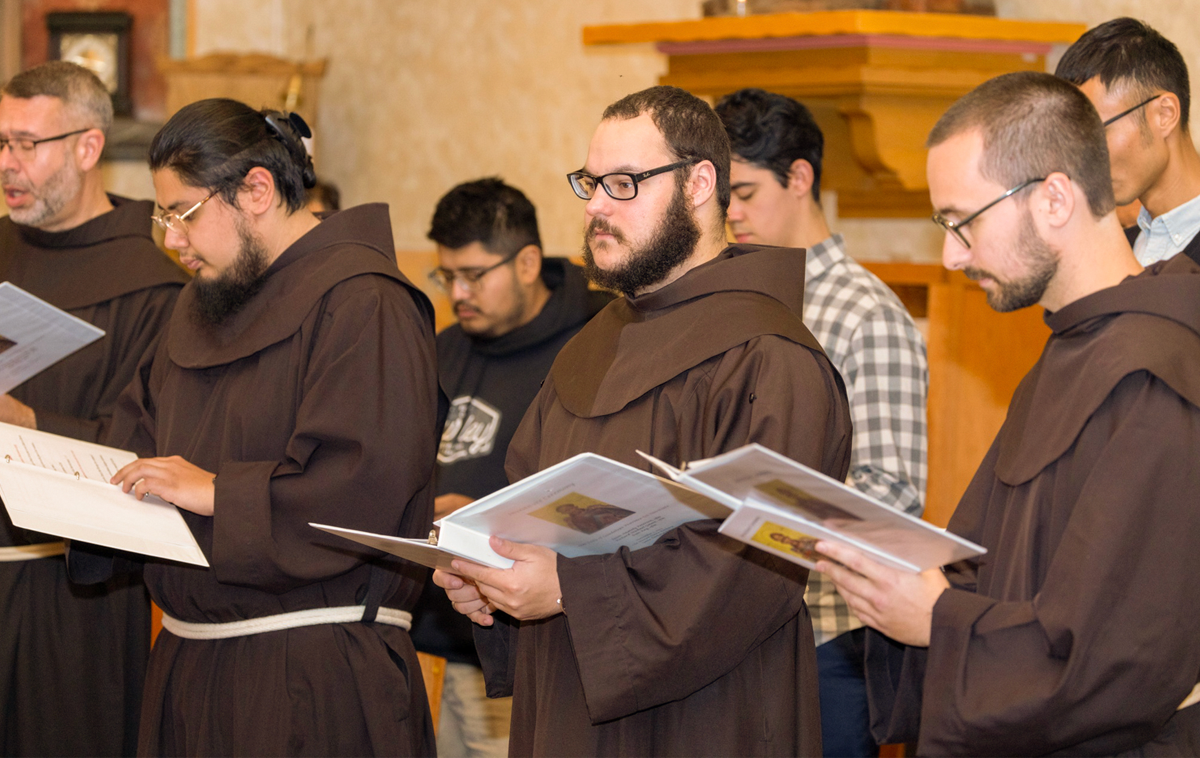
(72, 660)
(697, 645)
(1138, 82)
(295, 383)
(515, 311)
(775, 179)
(1075, 633)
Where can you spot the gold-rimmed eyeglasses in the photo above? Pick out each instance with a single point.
(177, 222)
(25, 148)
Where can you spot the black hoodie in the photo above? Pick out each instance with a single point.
(490, 383)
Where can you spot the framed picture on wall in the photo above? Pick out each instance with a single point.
(98, 41)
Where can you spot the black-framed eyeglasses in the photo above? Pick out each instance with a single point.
(619, 185)
(955, 227)
(470, 277)
(25, 149)
(177, 222)
(1127, 111)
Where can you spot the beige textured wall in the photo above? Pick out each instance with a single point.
(422, 95)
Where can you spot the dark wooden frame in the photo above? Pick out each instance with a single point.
(59, 23)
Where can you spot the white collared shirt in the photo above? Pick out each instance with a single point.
(1166, 236)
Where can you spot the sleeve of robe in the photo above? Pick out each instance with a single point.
(137, 322)
(362, 448)
(654, 625)
(1101, 657)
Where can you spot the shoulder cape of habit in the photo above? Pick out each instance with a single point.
(110, 256)
(637, 344)
(346, 244)
(1150, 322)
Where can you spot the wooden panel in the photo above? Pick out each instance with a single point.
(837, 22)
(257, 80)
(976, 357)
(433, 671)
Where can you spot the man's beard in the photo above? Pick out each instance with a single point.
(54, 194)
(1043, 265)
(216, 300)
(672, 243)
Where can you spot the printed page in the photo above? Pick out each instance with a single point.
(758, 476)
(87, 460)
(60, 486)
(586, 505)
(35, 335)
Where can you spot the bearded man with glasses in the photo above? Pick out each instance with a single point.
(1076, 633)
(72, 660)
(1138, 82)
(515, 311)
(696, 645)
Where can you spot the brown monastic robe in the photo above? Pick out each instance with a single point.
(699, 644)
(72, 659)
(317, 401)
(1076, 633)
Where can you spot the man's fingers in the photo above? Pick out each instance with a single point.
(472, 571)
(447, 580)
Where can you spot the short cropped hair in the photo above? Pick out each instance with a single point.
(486, 211)
(1128, 53)
(1034, 124)
(689, 126)
(81, 91)
(214, 143)
(773, 131)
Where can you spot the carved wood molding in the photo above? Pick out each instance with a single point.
(876, 81)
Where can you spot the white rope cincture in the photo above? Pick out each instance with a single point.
(32, 552)
(348, 614)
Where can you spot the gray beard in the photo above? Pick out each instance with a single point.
(216, 300)
(673, 243)
(59, 188)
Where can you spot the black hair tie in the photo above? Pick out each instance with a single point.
(289, 129)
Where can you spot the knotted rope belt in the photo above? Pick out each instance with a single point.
(348, 614)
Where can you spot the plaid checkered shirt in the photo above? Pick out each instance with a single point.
(872, 341)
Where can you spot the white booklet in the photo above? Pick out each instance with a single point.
(34, 335)
(785, 507)
(586, 505)
(57, 485)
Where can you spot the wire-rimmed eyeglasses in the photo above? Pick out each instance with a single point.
(1127, 111)
(470, 278)
(955, 227)
(177, 222)
(620, 185)
(25, 149)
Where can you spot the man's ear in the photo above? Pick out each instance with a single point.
(257, 194)
(1164, 114)
(800, 178)
(528, 264)
(1056, 199)
(89, 148)
(702, 183)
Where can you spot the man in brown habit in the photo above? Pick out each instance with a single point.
(295, 383)
(697, 645)
(72, 659)
(1076, 632)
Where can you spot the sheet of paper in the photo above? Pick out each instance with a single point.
(59, 486)
(586, 505)
(35, 335)
(417, 551)
(756, 475)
